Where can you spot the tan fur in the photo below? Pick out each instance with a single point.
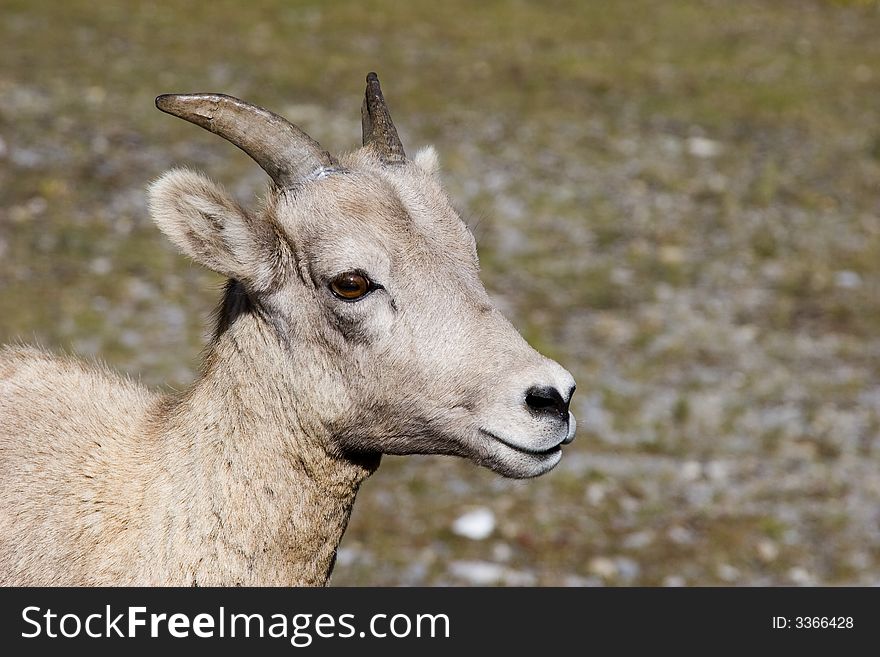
(249, 477)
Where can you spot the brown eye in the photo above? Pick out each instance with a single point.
(350, 286)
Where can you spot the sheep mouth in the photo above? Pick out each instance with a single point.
(524, 450)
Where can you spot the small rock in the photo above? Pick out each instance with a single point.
(596, 493)
(101, 266)
(671, 254)
(860, 561)
(717, 470)
(347, 556)
(728, 573)
(702, 147)
(847, 280)
(717, 183)
(603, 567)
(578, 581)
(485, 573)
(800, 576)
(26, 158)
(628, 569)
(502, 552)
(680, 535)
(415, 573)
(481, 573)
(691, 470)
(639, 540)
(621, 276)
(767, 550)
(476, 525)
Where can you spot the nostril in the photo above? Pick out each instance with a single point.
(544, 400)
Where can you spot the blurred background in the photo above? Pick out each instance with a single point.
(679, 201)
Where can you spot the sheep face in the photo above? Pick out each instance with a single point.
(370, 282)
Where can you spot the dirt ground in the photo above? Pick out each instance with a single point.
(679, 201)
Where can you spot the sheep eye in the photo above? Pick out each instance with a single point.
(351, 285)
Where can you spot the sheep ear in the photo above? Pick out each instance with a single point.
(205, 223)
(428, 161)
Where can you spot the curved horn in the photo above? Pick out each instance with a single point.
(379, 131)
(284, 151)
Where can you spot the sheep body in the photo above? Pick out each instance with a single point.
(354, 324)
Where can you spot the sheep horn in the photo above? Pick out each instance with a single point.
(284, 151)
(378, 128)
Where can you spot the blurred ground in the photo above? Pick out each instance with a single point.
(680, 201)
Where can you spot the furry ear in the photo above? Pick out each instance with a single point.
(428, 161)
(205, 223)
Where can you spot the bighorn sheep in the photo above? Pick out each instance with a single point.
(354, 324)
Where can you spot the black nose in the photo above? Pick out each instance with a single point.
(544, 400)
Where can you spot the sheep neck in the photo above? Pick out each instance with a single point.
(268, 501)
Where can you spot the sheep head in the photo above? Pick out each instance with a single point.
(370, 281)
